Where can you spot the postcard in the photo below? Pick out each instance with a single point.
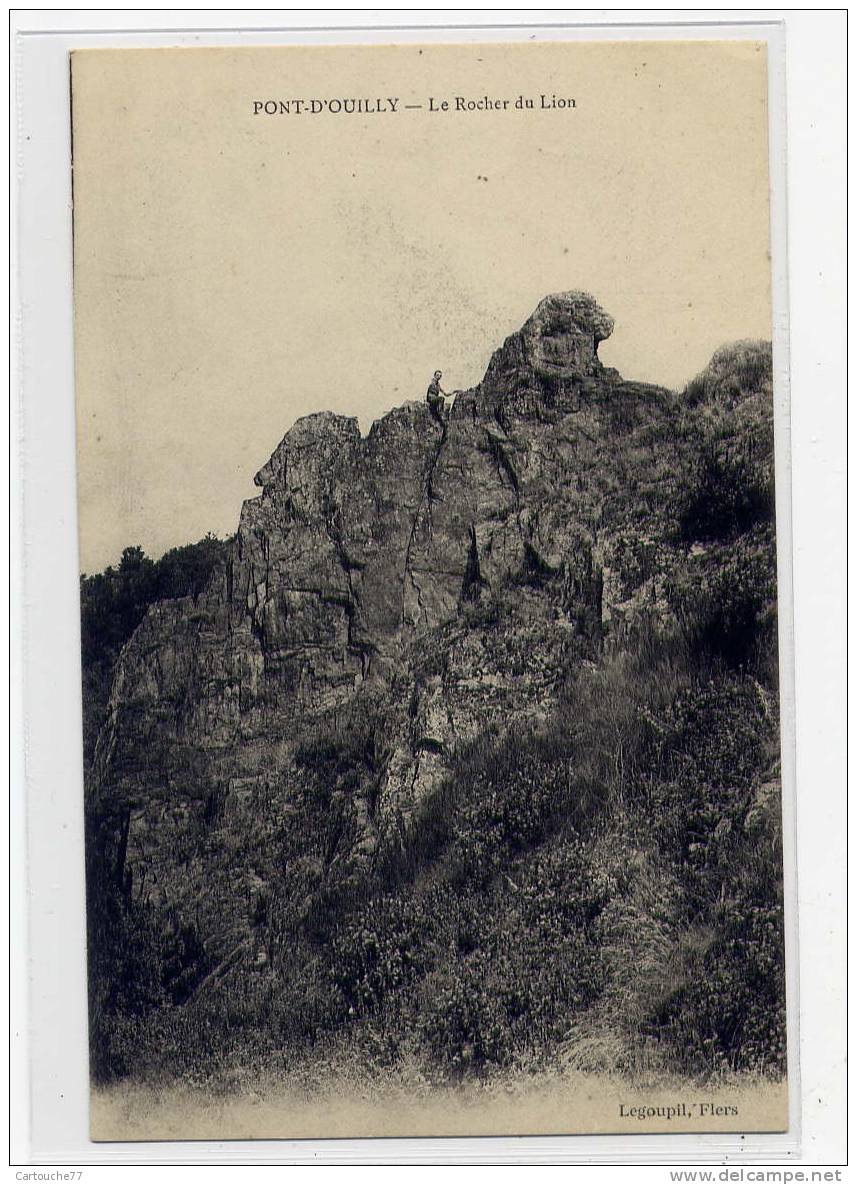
(428, 592)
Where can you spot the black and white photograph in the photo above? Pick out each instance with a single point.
(431, 671)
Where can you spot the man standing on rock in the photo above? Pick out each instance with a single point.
(435, 396)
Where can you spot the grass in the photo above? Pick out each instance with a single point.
(587, 893)
(596, 894)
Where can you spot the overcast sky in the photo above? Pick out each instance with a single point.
(234, 271)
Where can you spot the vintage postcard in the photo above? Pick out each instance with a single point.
(428, 592)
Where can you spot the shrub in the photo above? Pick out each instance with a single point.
(735, 372)
(728, 1009)
(381, 950)
(729, 614)
(729, 494)
(731, 1015)
(527, 962)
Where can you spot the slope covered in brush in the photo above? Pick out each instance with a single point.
(466, 756)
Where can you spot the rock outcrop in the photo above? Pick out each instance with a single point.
(437, 579)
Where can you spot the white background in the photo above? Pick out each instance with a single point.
(48, 1080)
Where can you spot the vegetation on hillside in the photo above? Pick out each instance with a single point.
(497, 936)
(114, 602)
(601, 890)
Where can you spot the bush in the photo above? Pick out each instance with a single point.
(729, 494)
(728, 1008)
(527, 963)
(729, 613)
(382, 949)
(735, 372)
(731, 1015)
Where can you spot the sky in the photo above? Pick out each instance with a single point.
(234, 271)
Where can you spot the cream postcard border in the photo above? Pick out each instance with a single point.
(46, 813)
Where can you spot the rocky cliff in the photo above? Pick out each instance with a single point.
(392, 600)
